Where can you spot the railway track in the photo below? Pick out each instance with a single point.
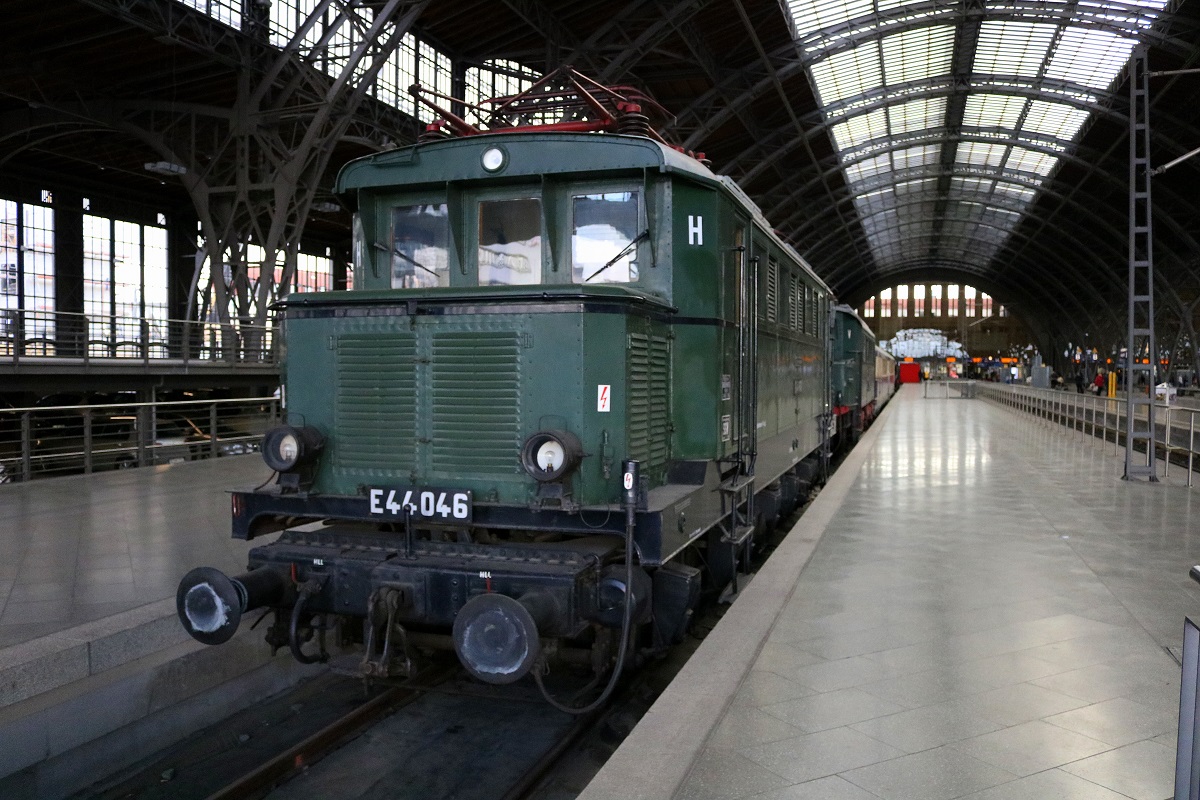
(437, 735)
(297, 758)
(440, 735)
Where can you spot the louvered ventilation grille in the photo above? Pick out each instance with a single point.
(772, 291)
(793, 304)
(649, 412)
(375, 405)
(476, 395)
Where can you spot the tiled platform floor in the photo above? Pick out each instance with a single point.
(78, 548)
(985, 618)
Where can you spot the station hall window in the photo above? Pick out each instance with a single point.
(125, 281)
(510, 242)
(420, 248)
(313, 273)
(27, 270)
(605, 237)
(918, 298)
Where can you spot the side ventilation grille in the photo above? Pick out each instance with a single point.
(375, 404)
(649, 413)
(476, 401)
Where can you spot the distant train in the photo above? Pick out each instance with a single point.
(863, 377)
(577, 377)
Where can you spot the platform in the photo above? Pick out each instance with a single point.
(976, 606)
(83, 547)
(95, 669)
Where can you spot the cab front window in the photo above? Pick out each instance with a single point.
(420, 252)
(510, 242)
(604, 237)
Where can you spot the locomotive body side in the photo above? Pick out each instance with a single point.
(530, 311)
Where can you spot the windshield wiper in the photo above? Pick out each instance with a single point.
(624, 252)
(407, 258)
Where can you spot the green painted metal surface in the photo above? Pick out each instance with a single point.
(441, 385)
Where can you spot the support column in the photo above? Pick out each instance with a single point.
(1140, 345)
(70, 332)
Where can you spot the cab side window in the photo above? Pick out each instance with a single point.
(420, 255)
(604, 237)
(510, 242)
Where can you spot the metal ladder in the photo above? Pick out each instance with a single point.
(737, 491)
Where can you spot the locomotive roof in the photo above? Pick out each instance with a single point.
(533, 155)
(529, 154)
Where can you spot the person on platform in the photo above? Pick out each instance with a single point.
(1098, 383)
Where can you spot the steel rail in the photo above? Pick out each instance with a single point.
(298, 757)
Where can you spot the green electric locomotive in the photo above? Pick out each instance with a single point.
(576, 373)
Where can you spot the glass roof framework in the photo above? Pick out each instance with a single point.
(943, 178)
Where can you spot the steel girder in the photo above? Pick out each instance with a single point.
(847, 283)
(1084, 161)
(898, 18)
(254, 170)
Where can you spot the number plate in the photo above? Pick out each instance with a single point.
(423, 503)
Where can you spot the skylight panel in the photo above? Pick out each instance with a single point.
(888, 5)
(813, 15)
(1000, 217)
(917, 115)
(993, 111)
(1012, 48)
(1019, 195)
(919, 186)
(860, 128)
(969, 185)
(1139, 12)
(980, 154)
(1055, 119)
(963, 211)
(874, 202)
(952, 228)
(920, 156)
(1089, 57)
(867, 168)
(848, 74)
(1023, 160)
(917, 54)
(880, 228)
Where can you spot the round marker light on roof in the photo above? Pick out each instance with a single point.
(286, 447)
(551, 455)
(493, 159)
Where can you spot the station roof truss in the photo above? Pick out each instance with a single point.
(980, 141)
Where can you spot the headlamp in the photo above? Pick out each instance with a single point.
(287, 447)
(551, 455)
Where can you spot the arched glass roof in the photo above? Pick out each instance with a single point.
(947, 119)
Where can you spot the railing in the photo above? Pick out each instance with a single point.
(27, 334)
(45, 441)
(1103, 419)
(939, 389)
